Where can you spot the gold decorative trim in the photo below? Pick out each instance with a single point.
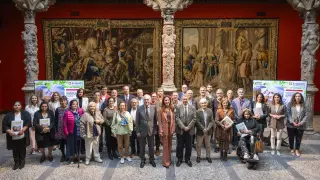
(108, 24)
(272, 24)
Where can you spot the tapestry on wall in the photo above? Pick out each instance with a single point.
(104, 52)
(227, 54)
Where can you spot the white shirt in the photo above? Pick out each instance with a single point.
(31, 110)
(258, 105)
(205, 117)
(298, 108)
(54, 105)
(140, 101)
(133, 114)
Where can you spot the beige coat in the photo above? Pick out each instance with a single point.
(87, 123)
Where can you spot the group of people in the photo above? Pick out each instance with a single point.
(84, 127)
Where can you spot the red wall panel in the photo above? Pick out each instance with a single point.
(12, 66)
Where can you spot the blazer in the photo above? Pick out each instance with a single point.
(181, 122)
(197, 102)
(68, 121)
(200, 123)
(38, 127)
(6, 124)
(164, 126)
(143, 126)
(277, 123)
(263, 118)
(128, 102)
(294, 116)
(238, 109)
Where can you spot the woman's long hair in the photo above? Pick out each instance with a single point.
(78, 91)
(163, 106)
(293, 100)
(52, 96)
(260, 94)
(277, 94)
(30, 100)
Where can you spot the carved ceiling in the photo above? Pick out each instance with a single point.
(141, 1)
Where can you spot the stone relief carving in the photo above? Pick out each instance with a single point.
(168, 43)
(309, 46)
(34, 5)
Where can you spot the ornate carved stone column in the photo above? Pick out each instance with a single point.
(29, 36)
(168, 8)
(309, 46)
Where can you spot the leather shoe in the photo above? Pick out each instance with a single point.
(178, 163)
(16, 166)
(189, 163)
(153, 163)
(142, 164)
(198, 159)
(42, 159)
(110, 156)
(22, 163)
(157, 153)
(209, 160)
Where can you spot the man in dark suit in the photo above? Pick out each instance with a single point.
(185, 120)
(204, 124)
(126, 97)
(146, 122)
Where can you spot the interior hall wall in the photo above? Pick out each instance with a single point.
(11, 46)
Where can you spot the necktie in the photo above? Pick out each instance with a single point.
(147, 113)
(185, 112)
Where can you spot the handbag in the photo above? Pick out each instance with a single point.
(259, 145)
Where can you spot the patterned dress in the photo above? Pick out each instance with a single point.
(59, 131)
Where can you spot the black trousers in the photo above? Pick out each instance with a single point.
(157, 139)
(19, 150)
(101, 141)
(112, 143)
(150, 140)
(184, 140)
(62, 146)
(295, 134)
(134, 142)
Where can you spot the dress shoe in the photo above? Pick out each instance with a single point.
(110, 156)
(209, 160)
(225, 156)
(42, 159)
(21, 165)
(142, 164)
(179, 163)
(153, 163)
(15, 166)
(198, 159)
(115, 155)
(157, 153)
(63, 159)
(50, 158)
(189, 163)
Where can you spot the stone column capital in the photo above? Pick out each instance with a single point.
(34, 5)
(168, 7)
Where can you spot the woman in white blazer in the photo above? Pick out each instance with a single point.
(82, 101)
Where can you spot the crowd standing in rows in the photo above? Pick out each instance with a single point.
(119, 122)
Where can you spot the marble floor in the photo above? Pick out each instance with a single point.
(270, 167)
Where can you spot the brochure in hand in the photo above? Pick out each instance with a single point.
(45, 122)
(226, 121)
(241, 127)
(16, 126)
